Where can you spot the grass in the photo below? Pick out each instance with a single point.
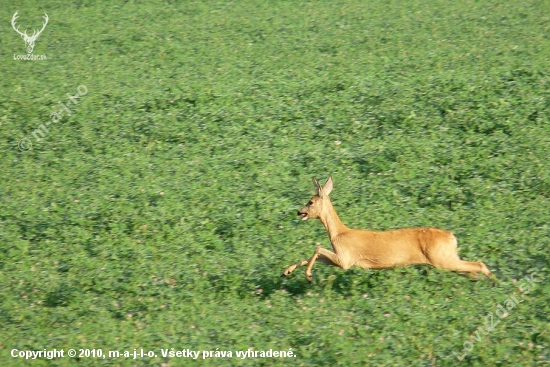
(161, 213)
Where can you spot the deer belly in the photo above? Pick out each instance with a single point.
(389, 259)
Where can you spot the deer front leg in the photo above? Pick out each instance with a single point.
(291, 268)
(323, 255)
(310, 264)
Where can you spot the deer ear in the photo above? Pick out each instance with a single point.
(317, 186)
(328, 186)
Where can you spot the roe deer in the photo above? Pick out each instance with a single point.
(379, 250)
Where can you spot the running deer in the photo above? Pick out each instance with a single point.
(379, 250)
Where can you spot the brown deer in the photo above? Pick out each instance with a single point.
(379, 250)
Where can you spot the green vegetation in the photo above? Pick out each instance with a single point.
(162, 212)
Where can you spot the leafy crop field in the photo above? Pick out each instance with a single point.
(155, 208)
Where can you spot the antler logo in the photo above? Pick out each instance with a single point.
(29, 40)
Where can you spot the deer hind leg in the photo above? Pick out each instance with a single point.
(476, 267)
(445, 256)
(472, 267)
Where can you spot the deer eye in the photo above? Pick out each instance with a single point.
(310, 203)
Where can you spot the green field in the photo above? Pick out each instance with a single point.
(161, 212)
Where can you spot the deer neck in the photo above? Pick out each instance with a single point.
(332, 223)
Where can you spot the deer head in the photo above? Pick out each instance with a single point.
(319, 202)
(29, 40)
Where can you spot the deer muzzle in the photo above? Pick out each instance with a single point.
(302, 214)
